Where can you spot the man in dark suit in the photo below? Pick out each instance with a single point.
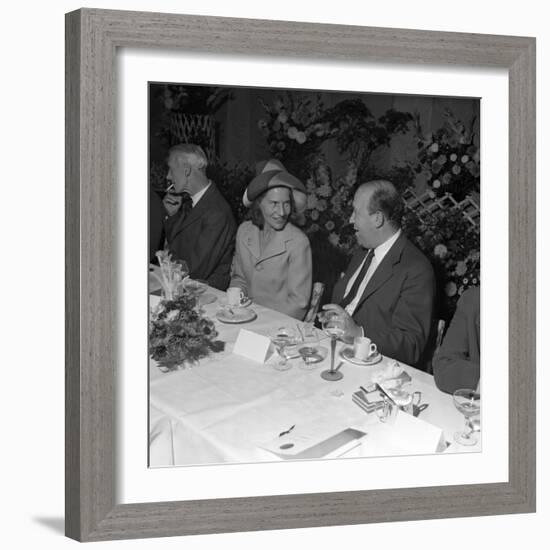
(157, 214)
(387, 292)
(200, 230)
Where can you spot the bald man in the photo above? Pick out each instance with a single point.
(387, 292)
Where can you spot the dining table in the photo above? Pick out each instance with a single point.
(228, 408)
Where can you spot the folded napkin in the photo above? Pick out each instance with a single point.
(393, 376)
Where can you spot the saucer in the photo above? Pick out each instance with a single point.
(246, 303)
(235, 315)
(347, 355)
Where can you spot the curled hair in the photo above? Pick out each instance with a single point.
(386, 199)
(256, 216)
(191, 154)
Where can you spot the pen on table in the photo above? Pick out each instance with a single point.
(287, 431)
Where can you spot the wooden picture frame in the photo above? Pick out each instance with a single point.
(92, 39)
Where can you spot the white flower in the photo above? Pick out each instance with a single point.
(314, 227)
(465, 159)
(312, 202)
(436, 184)
(431, 194)
(334, 239)
(292, 132)
(324, 190)
(283, 117)
(322, 205)
(453, 157)
(301, 138)
(450, 289)
(314, 215)
(440, 250)
(456, 169)
(329, 225)
(461, 268)
(171, 315)
(434, 148)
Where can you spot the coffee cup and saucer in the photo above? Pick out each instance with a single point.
(237, 298)
(363, 353)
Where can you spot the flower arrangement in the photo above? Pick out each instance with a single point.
(179, 334)
(328, 207)
(451, 243)
(232, 181)
(294, 129)
(449, 158)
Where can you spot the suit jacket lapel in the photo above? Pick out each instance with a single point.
(384, 270)
(195, 213)
(275, 247)
(354, 263)
(252, 241)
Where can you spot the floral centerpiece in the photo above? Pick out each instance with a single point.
(179, 334)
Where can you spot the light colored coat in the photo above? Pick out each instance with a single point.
(278, 277)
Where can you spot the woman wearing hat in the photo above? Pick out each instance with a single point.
(272, 262)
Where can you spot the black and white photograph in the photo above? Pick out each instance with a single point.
(314, 274)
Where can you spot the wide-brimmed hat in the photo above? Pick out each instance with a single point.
(270, 174)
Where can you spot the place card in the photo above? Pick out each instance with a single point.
(252, 345)
(416, 435)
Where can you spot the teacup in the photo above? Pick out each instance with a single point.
(235, 296)
(363, 348)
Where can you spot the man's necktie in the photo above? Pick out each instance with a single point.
(350, 296)
(186, 204)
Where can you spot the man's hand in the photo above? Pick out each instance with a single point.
(352, 330)
(172, 203)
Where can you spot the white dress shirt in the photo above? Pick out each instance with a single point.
(379, 252)
(198, 196)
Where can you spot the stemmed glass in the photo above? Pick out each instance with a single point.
(333, 326)
(282, 338)
(468, 403)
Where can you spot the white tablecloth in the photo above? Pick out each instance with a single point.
(228, 408)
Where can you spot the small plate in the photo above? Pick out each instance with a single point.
(236, 315)
(195, 287)
(347, 355)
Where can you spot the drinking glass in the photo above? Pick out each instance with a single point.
(333, 325)
(283, 338)
(468, 403)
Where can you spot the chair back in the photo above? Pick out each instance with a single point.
(316, 295)
(439, 337)
(439, 329)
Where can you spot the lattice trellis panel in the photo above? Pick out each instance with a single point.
(186, 127)
(425, 204)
